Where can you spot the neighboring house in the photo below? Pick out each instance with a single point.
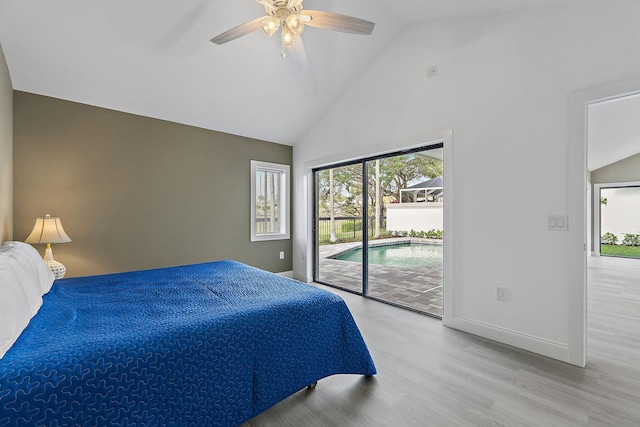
(430, 190)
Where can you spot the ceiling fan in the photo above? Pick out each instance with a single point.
(290, 15)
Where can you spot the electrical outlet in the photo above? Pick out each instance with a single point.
(281, 254)
(501, 293)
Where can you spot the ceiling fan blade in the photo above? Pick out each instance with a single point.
(294, 3)
(239, 31)
(298, 52)
(338, 22)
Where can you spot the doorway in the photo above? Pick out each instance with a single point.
(582, 210)
(378, 228)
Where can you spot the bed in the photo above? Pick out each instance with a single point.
(211, 344)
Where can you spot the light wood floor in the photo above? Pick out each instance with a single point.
(430, 375)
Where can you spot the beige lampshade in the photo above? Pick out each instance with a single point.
(48, 230)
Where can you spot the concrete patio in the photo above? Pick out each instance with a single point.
(418, 288)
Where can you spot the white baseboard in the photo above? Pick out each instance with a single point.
(288, 274)
(552, 349)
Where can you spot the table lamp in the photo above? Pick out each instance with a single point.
(49, 230)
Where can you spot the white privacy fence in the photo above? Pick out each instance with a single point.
(621, 213)
(414, 216)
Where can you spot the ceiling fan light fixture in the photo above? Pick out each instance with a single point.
(292, 18)
(288, 37)
(270, 25)
(295, 23)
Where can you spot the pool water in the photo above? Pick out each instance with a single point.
(400, 255)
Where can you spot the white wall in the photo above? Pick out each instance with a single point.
(503, 87)
(6, 151)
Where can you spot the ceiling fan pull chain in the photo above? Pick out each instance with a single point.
(283, 54)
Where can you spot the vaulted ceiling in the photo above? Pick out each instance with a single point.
(154, 58)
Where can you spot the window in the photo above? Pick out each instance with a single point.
(269, 201)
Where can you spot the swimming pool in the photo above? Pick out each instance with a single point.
(399, 254)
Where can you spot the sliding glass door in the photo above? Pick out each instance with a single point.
(339, 226)
(379, 228)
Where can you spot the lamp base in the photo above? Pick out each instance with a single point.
(57, 268)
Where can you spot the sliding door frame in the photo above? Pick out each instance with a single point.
(365, 219)
(315, 221)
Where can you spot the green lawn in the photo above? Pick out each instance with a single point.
(619, 250)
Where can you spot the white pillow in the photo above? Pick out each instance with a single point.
(20, 249)
(14, 308)
(26, 274)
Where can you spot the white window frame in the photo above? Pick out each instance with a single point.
(283, 200)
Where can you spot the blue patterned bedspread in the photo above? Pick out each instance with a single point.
(203, 345)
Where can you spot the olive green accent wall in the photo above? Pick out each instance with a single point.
(625, 170)
(134, 192)
(6, 151)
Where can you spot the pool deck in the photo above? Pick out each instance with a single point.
(418, 287)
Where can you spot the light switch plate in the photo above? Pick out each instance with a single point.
(558, 223)
(501, 293)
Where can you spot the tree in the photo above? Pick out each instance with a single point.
(376, 201)
(402, 171)
(347, 189)
(332, 207)
(386, 177)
